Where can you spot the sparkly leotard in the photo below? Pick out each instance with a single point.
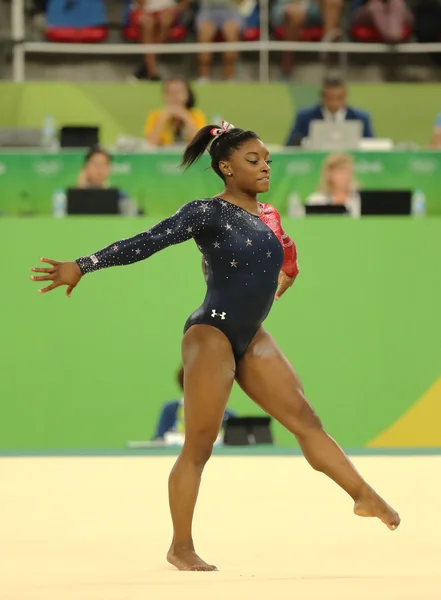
(243, 255)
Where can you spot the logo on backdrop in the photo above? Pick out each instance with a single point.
(423, 165)
(2, 168)
(122, 168)
(168, 168)
(47, 168)
(298, 167)
(368, 166)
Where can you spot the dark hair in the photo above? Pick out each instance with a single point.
(191, 98)
(219, 148)
(96, 150)
(180, 377)
(333, 82)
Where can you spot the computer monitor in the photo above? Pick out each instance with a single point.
(84, 201)
(79, 136)
(325, 209)
(245, 431)
(385, 202)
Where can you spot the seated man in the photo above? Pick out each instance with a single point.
(172, 414)
(333, 107)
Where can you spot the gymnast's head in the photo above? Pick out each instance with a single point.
(238, 157)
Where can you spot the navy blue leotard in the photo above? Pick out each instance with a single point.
(243, 258)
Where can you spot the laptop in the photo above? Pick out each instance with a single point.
(246, 431)
(82, 201)
(385, 202)
(329, 135)
(325, 209)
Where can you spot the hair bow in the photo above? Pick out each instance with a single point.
(217, 131)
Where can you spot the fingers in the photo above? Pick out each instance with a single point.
(50, 261)
(43, 270)
(285, 282)
(44, 278)
(50, 287)
(69, 290)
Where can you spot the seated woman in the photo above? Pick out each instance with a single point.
(337, 184)
(95, 173)
(171, 418)
(179, 121)
(388, 17)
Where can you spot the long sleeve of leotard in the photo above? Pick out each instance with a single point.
(271, 217)
(188, 222)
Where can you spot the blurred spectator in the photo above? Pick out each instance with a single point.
(179, 121)
(388, 17)
(333, 107)
(295, 15)
(171, 418)
(218, 17)
(436, 138)
(95, 173)
(337, 184)
(156, 18)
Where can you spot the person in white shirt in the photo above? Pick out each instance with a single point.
(337, 184)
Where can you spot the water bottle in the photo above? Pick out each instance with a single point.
(59, 204)
(295, 206)
(419, 203)
(217, 119)
(49, 133)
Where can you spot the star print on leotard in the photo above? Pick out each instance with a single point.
(243, 254)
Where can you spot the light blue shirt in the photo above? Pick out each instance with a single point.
(438, 120)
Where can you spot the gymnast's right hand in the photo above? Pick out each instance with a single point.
(60, 273)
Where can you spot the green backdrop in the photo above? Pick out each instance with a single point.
(401, 111)
(28, 180)
(361, 325)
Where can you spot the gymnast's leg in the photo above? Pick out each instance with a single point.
(267, 378)
(209, 369)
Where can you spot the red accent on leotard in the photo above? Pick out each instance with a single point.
(270, 216)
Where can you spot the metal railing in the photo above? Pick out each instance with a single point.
(264, 46)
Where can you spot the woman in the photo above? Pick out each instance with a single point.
(155, 19)
(337, 184)
(388, 17)
(179, 121)
(250, 260)
(95, 173)
(218, 18)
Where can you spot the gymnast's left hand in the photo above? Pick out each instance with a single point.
(285, 282)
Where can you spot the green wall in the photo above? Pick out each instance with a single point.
(400, 111)
(361, 325)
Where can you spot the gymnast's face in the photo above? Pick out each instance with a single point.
(250, 168)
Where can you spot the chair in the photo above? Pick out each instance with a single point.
(367, 35)
(308, 34)
(131, 29)
(76, 21)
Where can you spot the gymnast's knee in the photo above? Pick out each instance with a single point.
(199, 447)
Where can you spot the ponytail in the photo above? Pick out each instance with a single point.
(220, 146)
(197, 146)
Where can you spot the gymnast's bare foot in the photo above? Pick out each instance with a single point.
(369, 504)
(186, 559)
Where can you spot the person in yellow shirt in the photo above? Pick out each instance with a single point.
(179, 121)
